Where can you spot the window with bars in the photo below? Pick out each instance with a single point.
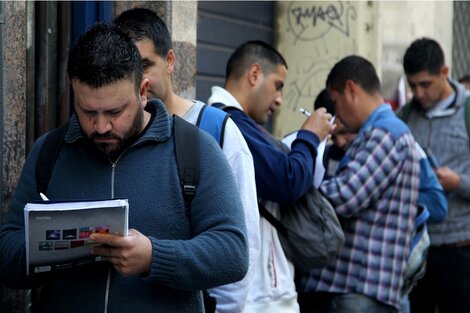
(461, 40)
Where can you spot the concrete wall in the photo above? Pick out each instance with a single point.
(313, 36)
(13, 121)
(14, 91)
(405, 21)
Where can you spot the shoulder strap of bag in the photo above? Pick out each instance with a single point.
(405, 111)
(187, 159)
(272, 220)
(47, 157)
(213, 121)
(187, 156)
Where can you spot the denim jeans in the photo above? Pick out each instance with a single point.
(405, 304)
(341, 303)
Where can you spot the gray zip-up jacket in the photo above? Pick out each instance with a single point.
(446, 135)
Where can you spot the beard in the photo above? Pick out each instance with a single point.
(114, 150)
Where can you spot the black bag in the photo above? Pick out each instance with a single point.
(309, 231)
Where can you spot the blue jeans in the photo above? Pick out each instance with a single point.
(341, 303)
(446, 284)
(405, 304)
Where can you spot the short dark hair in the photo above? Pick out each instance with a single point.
(357, 69)
(423, 54)
(324, 100)
(104, 55)
(141, 24)
(251, 52)
(464, 79)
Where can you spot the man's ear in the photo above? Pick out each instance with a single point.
(351, 87)
(254, 73)
(445, 71)
(170, 61)
(144, 86)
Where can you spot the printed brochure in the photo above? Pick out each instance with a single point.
(57, 231)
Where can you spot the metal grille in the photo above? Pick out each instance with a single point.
(461, 40)
(1, 121)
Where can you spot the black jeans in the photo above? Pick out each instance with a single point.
(446, 284)
(323, 302)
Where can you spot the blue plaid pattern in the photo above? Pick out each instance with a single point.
(374, 192)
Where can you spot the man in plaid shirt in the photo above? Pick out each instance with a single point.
(374, 192)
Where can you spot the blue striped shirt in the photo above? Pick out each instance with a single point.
(374, 193)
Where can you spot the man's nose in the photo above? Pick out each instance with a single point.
(340, 142)
(418, 92)
(102, 125)
(278, 100)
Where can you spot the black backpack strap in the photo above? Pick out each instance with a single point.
(404, 112)
(222, 132)
(220, 105)
(47, 157)
(187, 159)
(199, 117)
(187, 156)
(272, 220)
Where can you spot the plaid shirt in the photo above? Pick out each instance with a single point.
(374, 193)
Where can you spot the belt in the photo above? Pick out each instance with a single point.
(459, 244)
(462, 243)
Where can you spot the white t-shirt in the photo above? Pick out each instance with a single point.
(232, 297)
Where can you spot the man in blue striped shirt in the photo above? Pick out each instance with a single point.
(374, 192)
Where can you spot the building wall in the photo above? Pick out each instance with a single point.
(14, 96)
(461, 40)
(314, 35)
(221, 28)
(13, 116)
(405, 21)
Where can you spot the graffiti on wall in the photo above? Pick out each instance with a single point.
(323, 29)
(316, 20)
